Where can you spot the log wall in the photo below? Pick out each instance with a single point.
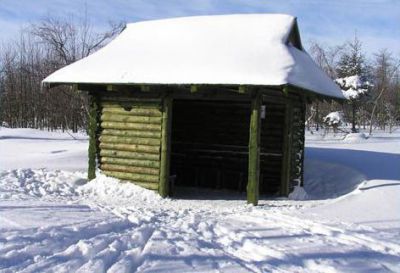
(282, 143)
(130, 139)
(297, 144)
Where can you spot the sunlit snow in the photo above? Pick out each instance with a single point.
(53, 220)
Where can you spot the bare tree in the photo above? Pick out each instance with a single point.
(41, 49)
(70, 41)
(385, 71)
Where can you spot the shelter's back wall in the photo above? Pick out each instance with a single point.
(210, 143)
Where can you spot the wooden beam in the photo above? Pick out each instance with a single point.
(254, 151)
(242, 89)
(285, 90)
(194, 88)
(93, 128)
(111, 87)
(145, 88)
(165, 147)
(286, 150)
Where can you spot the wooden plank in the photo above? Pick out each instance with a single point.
(131, 155)
(130, 140)
(133, 176)
(131, 162)
(131, 133)
(130, 126)
(129, 169)
(254, 151)
(165, 146)
(131, 99)
(129, 105)
(134, 111)
(136, 181)
(130, 147)
(130, 119)
(147, 185)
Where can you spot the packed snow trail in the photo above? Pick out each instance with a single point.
(104, 226)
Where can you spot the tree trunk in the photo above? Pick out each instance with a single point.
(353, 118)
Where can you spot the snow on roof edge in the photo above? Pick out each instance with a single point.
(259, 73)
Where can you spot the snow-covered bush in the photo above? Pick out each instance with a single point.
(333, 119)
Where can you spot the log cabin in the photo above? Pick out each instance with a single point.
(208, 101)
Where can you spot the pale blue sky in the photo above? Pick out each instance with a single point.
(331, 22)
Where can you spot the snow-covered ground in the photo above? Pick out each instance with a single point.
(52, 220)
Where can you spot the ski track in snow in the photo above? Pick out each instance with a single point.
(150, 234)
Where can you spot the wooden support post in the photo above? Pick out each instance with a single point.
(254, 151)
(286, 150)
(165, 146)
(93, 129)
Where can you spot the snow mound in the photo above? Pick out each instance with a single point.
(23, 183)
(298, 194)
(324, 179)
(373, 199)
(113, 190)
(354, 137)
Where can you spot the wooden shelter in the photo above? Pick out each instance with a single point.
(210, 101)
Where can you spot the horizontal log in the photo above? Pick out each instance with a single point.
(130, 105)
(130, 126)
(129, 169)
(144, 184)
(134, 111)
(131, 133)
(130, 155)
(129, 99)
(129, 140)
(131, 162)
(133, 177)
(147, 185)
(130, 119)
(131, 147)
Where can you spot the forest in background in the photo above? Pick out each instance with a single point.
(52, 43)
(39, 50)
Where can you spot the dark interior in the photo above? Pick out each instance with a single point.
(210, 146)
(272, 127)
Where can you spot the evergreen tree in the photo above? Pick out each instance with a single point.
(352, 73)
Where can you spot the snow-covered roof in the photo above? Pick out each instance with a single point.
(250, 49)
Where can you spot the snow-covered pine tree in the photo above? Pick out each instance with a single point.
(352, 73)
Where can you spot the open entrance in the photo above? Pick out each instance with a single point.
(209, 145)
